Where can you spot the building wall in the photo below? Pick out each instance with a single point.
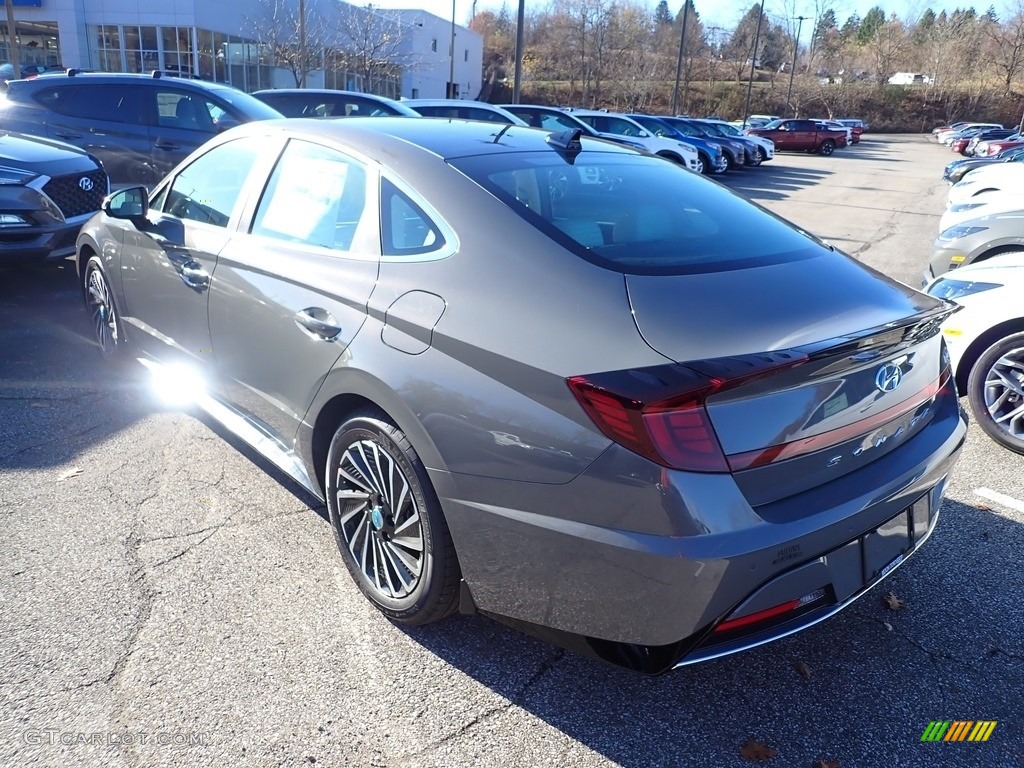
(422, 51)
(427, 47)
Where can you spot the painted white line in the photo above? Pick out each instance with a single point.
(1000, 498)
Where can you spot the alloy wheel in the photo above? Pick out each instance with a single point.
(1004, 392)
(103, 311)
(379, 519)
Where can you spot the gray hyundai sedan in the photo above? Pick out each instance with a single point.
(540, 376)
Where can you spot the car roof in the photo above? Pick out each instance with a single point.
(445, 138)
(122, 77)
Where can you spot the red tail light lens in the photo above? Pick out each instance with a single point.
(659, 412)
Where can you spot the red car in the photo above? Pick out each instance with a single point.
(801, 135)
(959, 145)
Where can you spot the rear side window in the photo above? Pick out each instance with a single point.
(406, 229)
(315, 196)
(637, 214)
(107, 103)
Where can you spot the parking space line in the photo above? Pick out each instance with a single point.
(1000, 498)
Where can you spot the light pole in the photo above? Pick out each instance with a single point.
(302, 43)
(753, 61)
(517, 80)
(12, 38)
(679, 61)
(792, 71)
(451, 59)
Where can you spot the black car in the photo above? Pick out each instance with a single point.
(47, 191)
(138, 126)
(957, 169)
(324, 102)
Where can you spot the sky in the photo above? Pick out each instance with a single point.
(723, 13)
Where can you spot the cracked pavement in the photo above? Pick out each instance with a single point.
(175, 591)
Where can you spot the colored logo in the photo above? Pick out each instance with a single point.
(888, 377)
(959, 730)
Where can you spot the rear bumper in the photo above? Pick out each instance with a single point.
(629, 555)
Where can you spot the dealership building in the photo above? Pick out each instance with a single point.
(394, 53)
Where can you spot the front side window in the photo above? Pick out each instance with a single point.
(315, 196)
(637, 214)
(208, 189)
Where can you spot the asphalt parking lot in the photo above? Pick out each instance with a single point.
(167, 600)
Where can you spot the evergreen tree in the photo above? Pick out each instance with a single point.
(870, 24)
(850, 28)
(662, 15)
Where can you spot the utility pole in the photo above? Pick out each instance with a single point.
(302, 43)
(792, 71)
(679, 61)
(451, 61)
(753, 61)
(12, 39)
(517, 82)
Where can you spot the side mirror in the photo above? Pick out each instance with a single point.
(130, 203)
(226, 123)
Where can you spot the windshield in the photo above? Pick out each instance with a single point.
(637, 214)
(245, 105)
(773, 124)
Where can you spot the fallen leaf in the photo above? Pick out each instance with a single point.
(823, 763)
(887, 625)
(893, 602)
(756, 750)
(67, 475)
(803, 670)
(983, 507)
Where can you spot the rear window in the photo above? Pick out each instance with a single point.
(638, 214)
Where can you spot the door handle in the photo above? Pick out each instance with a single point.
(67, 135)
(189, 270)
(194, 276)
(163, 144)
(318, 322)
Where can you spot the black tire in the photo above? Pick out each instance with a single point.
(827, 147)
(755, 160)
(108, 332)
(995, 390)
(704, 164)
(761, 155)
(733, 165)
(368, 456)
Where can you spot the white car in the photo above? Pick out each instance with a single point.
(620, 125)
(985, 204)
(462, 109)
(1001, 177)
(986, 342)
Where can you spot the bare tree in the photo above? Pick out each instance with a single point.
(371, 43)
(1006, 44)
(276, 29)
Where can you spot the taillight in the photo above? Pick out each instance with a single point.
(659, 412)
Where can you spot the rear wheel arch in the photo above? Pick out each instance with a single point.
(978, 347)
(358, 395)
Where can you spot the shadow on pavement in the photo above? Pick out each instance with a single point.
(872, 671)
(57, 397)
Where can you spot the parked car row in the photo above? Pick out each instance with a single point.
(977, 262)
